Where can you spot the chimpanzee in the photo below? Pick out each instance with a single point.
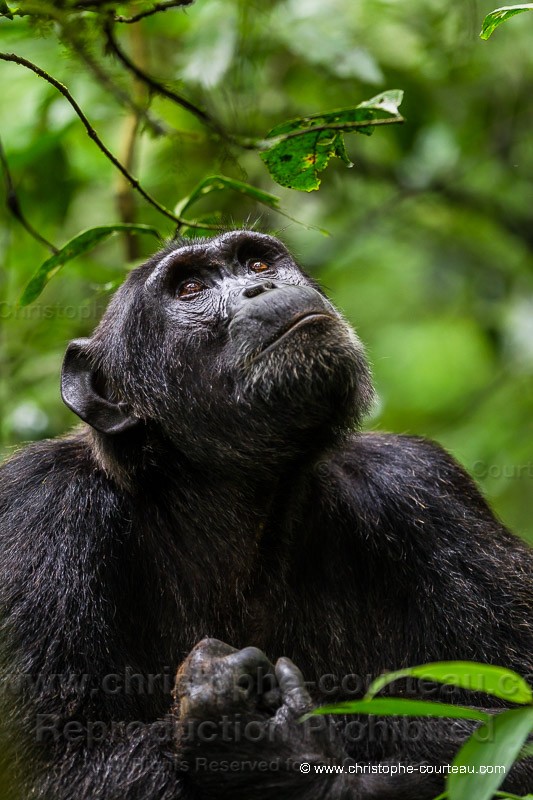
(221, 491)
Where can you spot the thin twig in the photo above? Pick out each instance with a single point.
(164, 6)
(12, 202)
(160, 88)
(157, 126)
(99, 143)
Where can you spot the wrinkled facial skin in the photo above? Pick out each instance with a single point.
(231, 349)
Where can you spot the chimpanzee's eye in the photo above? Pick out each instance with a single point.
(188, 288)
(257, 266)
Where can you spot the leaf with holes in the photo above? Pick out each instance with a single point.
(296, 151)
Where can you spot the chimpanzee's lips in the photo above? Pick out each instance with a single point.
(297, 322)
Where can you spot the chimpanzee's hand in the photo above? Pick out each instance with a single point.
(235, 707)
(216, 679)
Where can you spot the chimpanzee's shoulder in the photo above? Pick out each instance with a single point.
(34, 474)
(392, 452)
(64, 451)
(401, 466)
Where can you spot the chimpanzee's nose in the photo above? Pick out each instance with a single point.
(258, 288)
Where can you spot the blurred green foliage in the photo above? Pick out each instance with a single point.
(431, 232)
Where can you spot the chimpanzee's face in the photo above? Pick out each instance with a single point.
(225, 341)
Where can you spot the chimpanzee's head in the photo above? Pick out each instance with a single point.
(224, 348)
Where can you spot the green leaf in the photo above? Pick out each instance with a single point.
(79, 244)
(508, 732)
(217, 183)
(297, 153)
(340, 151)
(500, 15)
(484, 678)
(399, 707)
(4, 10)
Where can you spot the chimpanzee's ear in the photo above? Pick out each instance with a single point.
(84, 393)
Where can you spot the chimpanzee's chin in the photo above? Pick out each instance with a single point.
(311, 378)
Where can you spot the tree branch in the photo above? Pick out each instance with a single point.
(99, 143)
(160, 88)
(12, 202)
(157, 126)
(163, 6)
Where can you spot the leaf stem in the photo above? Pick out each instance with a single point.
(158, 87)
(266, 144)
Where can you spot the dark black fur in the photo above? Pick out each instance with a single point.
(223, 491)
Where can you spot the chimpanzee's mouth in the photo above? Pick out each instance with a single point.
(297, 322)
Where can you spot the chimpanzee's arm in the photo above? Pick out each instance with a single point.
(415, 531)
(62, 582)
(454, 584)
